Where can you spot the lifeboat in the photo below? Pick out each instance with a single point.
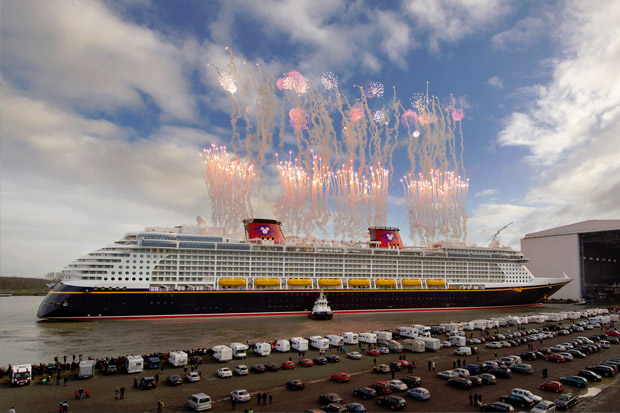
(385, 283)
(330, 282)
(358, 282)
(435, 283)
(299, 282)
(412, 283)
(232, 282)
(267, 282)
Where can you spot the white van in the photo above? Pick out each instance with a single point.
(383, 336)
(262, 349)
(368, 338)
(134, 364)
(480, 324)
(335, 340)
(239, 350)
(283, 346)
(222, 353)
(350, 338)
(319, 343)
(199, 402)
(457, 341)
(86, 369)
(177, 358)
(462, 351)
(299, 344)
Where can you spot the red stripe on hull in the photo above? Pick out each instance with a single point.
(186, 316)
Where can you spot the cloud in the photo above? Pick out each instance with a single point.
(495, 82)
(524, 33)
(487, 192)
(80, 53)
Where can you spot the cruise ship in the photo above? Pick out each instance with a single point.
(184, 272)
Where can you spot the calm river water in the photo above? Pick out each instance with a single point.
(24, 339)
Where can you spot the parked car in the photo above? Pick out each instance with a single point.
(590, 375)
(447, 375)
(518, 401)
(295, 384)
(502, 371)
(381, 368)
(552, 385)
(224, 372)
(382, 387)
(412, 381)
(604, 371)
(460, 382)
(356, 407)
(528, 355)
(574, 381)
(365, 392)
(258, 368)
(544, 406)
(306, 362)
(555, 357)
(577, 353)
(240, 395)
(566, 401)
(272, 367)
(111, 369)
(241, 370)
(526, 393)
(333, 358)
(147, 383)
(488, 378)
(199, 402)
(523, 368)
(340, 377)
(335, 407)
(397, 385)
(174, 380)
(395, 365)
(288, 365)
(393, 402)
(373, 352)
(497, 407)
(475, 380)
(192, 377)
(354, 355)
(321, 361)
(330, 398)
(419, 393)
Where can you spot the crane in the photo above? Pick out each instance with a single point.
(494, 241)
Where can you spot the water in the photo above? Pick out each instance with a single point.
(24, 339)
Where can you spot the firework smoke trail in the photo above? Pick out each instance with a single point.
(230, 186)
(436, 206)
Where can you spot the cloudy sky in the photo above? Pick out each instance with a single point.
(106, 105)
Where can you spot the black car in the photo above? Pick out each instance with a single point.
(321, 361)
(503, 372)
(577, 353)
(604, 371)
(566, 401)
(585, 350)
(528, 355)
(295, 384)
(412, 381)
(111, 369)
(475, 380)
(395, 366)
(545, 350)
(148, 383)
(365, 392)
(497, 407)
(333, 358)
(174, 380)
(258, 368)
(393, 402)
(272, 367)
(335, 407)
(613, 340)
(590, 375)
(330, 398)
(519, 401)
(460, 382)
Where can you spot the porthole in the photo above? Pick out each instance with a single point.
(105, 278)
(112, 278)
(126, 278)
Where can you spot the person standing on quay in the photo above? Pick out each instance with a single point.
(122, 392)
(429, 365)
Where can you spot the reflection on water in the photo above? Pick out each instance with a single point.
(24, 339)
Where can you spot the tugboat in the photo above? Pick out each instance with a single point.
(321, 309)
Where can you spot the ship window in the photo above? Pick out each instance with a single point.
(112, 278)
(105, 278)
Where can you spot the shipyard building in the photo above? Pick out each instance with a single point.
(588, 252)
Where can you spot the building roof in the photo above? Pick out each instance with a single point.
(593, 225)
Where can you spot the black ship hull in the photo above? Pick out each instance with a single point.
(321, 315)
(82, 304)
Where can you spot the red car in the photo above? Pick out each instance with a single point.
(288, 365)
(306, 362)
(340, 377)
(555, 386)
(613, 333)
(373, 352)
(558, 358)
(404, 363)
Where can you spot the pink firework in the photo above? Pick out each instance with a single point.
(409, 118)
(298, 119)
(457, 115)
(356, 114)
(293, 81)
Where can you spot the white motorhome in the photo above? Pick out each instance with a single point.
(383, 336)
(457, 341)
(417, 346)
(350, 338)
(134, 364)
(283, 346)
(239, 350)
(430, 344)
(394, 346)
(222, 353)
(449, 326)
(335, 340)
(480, 324)
(539, 318)
(262, 349)
(20, 374)
(423, 331)
(409, 332)
(368, 338)
(467, 326)
(299, 344)
(177, 358)
(86, 369)
(319, 343)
